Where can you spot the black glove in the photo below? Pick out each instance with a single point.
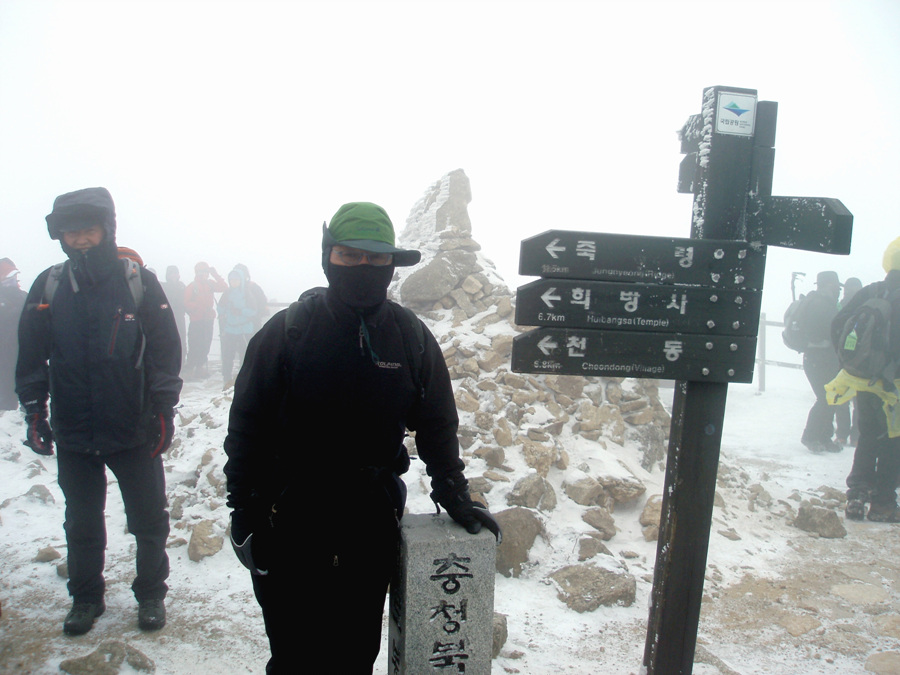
(38, 435)
(453, 494)
(160, 431)
(249, 546)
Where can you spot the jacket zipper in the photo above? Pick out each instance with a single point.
(115, 331)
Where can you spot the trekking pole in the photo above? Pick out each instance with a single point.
(794, 276)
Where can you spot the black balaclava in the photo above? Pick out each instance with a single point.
(361, 287)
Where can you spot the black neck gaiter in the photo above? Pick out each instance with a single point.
(94, 264)
(361, 287)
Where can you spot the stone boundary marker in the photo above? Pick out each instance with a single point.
(442, 599)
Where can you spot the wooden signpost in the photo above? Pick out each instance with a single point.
(682, 309)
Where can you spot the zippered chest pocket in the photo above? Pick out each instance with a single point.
(124, 334)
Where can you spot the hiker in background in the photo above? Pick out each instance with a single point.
(327, 391)
(237, 309)
(260, 301)
(852, 286)
(200, 305)
(98, 339)
(12, 299)
(847, 420)
(876, 463)
(820, 361)
(174, 289)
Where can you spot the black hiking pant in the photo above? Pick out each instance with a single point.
(336, 574)
(233, 348)
(821, 366)
(199, 338)
(876, 462)
(142, 483)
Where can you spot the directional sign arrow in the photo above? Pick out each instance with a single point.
(624, 354)
(547, 345)
(553, 249)
(641, 307)
(550, 295)
(599, 256)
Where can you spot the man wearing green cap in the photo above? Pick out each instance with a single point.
(315, 448)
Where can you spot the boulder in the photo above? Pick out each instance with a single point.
(204, 542)
(622, 489)
(533, 491)
(586, 587)
(500, 634)
(602, 521)
(520, 528)
(823, 522)
(586, 491)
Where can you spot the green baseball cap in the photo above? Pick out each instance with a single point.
(366, 226)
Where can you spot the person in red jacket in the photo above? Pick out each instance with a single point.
(200, 305)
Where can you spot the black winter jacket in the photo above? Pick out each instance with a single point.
(331, 403)
(818, 313)
(890, 284)
(85, 350)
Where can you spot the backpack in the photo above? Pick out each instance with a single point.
(795, 334)
(864, 341)
(132, 276)
(299, 312)
(135, 284)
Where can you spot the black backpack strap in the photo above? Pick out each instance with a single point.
(413, 342)
(299, 311)
(52, 282)
(135, 281)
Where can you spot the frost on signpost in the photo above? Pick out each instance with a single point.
(680, 309)
(442, 600)
(638, 306)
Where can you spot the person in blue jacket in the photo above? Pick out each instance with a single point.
(237, 314)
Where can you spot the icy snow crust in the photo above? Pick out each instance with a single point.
(215, 625)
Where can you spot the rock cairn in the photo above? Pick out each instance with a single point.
(516, 430)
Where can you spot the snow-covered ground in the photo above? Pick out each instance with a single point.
(777, 599)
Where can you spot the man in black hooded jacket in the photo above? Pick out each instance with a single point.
(315, 449)
(820, 362)
(109, 365)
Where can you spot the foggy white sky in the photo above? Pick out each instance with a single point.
(228, 131)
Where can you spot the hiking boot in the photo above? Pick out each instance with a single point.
(151, 614)
(884, 513)
(80, 618)
(855, 509)
(832, 446)
(815, 447)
